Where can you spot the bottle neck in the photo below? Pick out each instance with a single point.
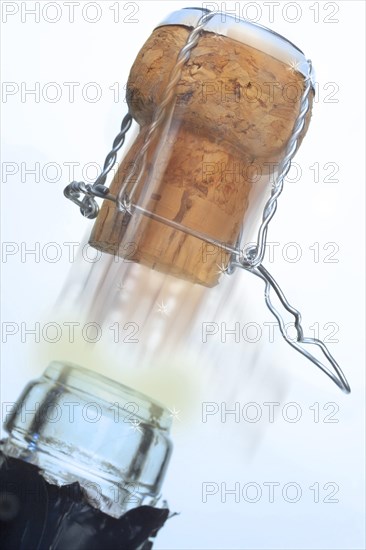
(77, 426)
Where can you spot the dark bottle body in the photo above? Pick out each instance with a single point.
(37, 515)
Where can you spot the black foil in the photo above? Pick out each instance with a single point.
(35, 515)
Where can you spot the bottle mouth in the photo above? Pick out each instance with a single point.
(106, 390)
(77, 425)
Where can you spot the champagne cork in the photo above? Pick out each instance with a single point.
(234, 111)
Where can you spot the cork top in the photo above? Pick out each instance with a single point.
(249, 33)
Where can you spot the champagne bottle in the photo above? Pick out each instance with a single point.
(83, 465)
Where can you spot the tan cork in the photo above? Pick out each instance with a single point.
(235, 110)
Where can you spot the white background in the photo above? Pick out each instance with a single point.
(64, 131)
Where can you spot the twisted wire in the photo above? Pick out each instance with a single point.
(163, 109)
(88, 205)
(253, 255)
(112, 155)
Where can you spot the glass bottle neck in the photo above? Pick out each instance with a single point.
(76, 425)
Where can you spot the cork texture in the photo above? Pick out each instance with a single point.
(234, 112)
